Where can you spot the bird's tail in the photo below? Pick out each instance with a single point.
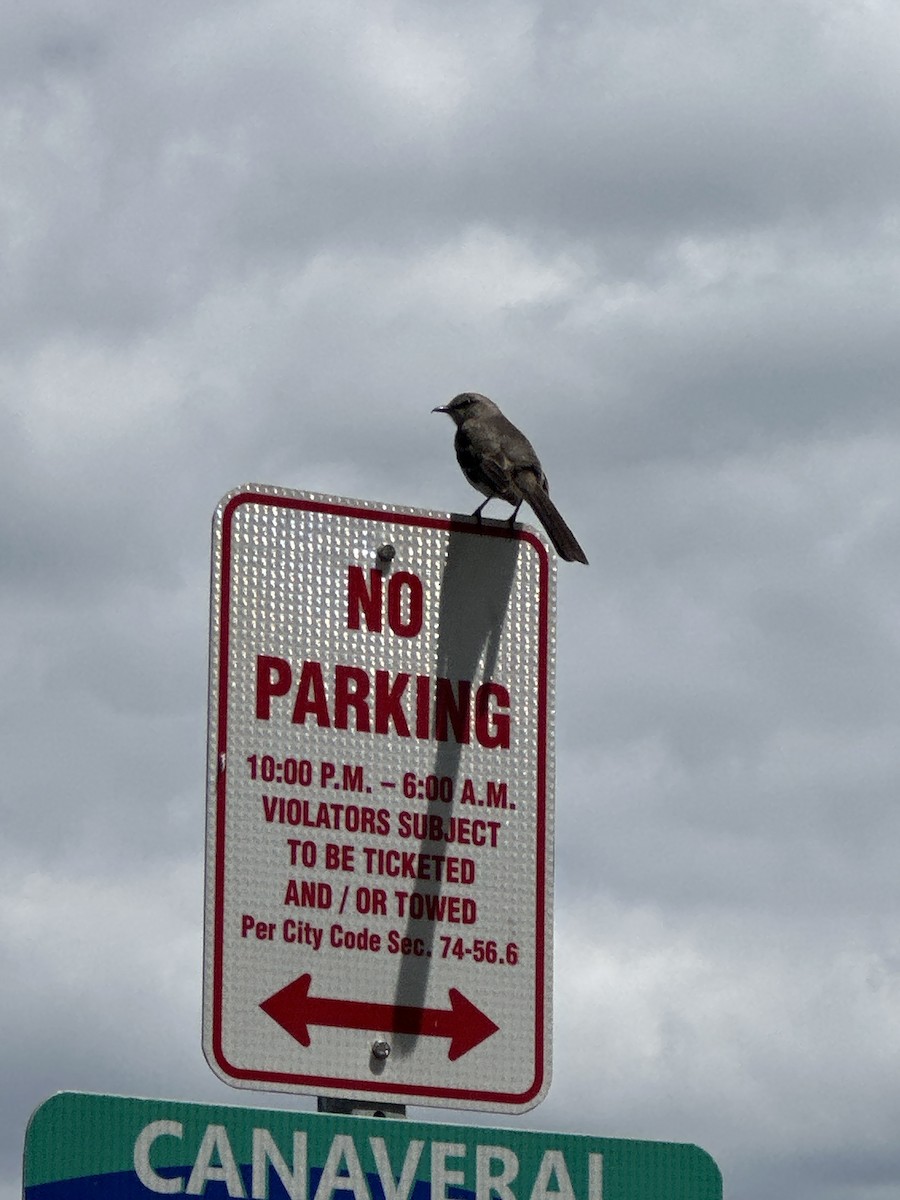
(548, 514)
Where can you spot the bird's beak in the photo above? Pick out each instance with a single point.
(441, 408)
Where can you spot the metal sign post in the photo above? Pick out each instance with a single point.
(379, 852)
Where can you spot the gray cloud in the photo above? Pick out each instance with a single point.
(260, 243)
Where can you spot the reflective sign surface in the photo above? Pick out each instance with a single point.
(379, 856)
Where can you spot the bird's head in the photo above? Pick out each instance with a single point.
(465, 405)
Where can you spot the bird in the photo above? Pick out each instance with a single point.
(498, 460)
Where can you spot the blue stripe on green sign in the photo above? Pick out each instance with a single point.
(125, 1185)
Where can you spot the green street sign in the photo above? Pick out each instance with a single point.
(86, 1147)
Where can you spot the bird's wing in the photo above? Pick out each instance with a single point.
(496, 468)
(486, 467)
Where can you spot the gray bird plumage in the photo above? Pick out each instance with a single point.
(498, 460)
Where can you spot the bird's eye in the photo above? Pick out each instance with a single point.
(461, 402)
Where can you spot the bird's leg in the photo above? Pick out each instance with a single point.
(512, 519)
(477, 512)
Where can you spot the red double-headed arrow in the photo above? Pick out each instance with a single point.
(295, 1010)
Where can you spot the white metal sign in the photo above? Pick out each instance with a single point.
(379, 846)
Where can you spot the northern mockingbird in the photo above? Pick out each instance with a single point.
(499, 460)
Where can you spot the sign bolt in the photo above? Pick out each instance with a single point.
(381, 1050)
(385, 554)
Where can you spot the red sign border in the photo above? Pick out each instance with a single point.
(310, 1084)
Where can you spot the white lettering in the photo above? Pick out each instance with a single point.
(553, 1163)
(595, 1177)
(342, 1149)
(496, 1168)
(143, 1170)
(485, 1182)
(399, 1189)
(215, 1141)
(264, 1152)
(441, 1176)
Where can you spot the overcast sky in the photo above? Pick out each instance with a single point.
(261, 241)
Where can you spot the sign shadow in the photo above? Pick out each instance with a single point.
(475, 591)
